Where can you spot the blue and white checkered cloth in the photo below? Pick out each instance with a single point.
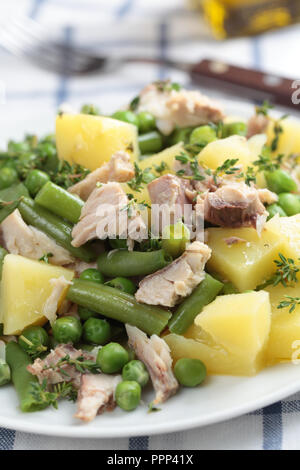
(162, 28)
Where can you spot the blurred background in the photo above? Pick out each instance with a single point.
(262, 34)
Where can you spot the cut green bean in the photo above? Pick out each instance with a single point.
(187, 311)
(60, 202)
(54, 227)
(118, 305)
(125, 263)
(18, 360)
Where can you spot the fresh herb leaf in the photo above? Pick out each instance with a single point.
(286, 273)
(290, 303)
(46, 257)
(43, 396)
(264, 108)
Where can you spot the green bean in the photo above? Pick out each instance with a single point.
(54, 227)
(8, 176)
(124, 263)
(146, 122)
(5, 375)
(186, 312)
(151, 142)
(118, 305)
(3, 253)
(229, 288)
(60, 202)
(18, 360)
(235, 128)
(35, 180)
(180, 135)
(203, 135)
(126, 116)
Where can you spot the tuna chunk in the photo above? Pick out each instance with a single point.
(46, 368)
(24, 240)
(235, 205)
(51, 305)
(171, 194)
(181, 108)
(106, 215)
(155, 354)
(96, 395)
(177, 280)
(117, 169)
(257, 124)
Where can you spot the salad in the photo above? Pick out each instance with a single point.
(153, 246)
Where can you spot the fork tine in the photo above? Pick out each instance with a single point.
(26, 38)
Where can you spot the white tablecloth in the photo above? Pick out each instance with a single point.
(146, 27)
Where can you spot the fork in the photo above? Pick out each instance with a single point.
(27, 39)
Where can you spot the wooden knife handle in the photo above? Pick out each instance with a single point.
(248, 83)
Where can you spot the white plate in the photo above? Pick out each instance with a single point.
(220, 398)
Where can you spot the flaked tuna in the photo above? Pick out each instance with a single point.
(117, 169)
(155, 354)
(177, 280)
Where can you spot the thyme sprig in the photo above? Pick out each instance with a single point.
(81, 364)
(290, 303)
(286, 272)
(141, 177)
(43, 396)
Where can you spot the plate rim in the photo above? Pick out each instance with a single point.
(83, 431)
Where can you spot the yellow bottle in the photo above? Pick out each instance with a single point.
(229, 18)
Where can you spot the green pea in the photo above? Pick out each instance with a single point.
(35, 180)
(190, 372)
(85, 313)
(136, 371)
(274, 209)
(34, 340)
(8, 176)
(96, 331)
(151, 142)
(203, 135)
(93, 275)
(235, 128)
(123, 284)
(128, 395)
(67, 330)
(290, 203)
(126, 116)
(112, 358)
(180, 135)
(174, 239)
(5, 374)
(146, 122)
(280, 181)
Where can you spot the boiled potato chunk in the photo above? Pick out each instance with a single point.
(248, 262)
(91, 140)
(25, 287)
(289, 140)
(238, 322)
(229, 336)
(247, 151)
(285, 326)
(167, 156)
(288, 228)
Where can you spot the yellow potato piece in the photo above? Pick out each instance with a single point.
(168, 155)
(288, 229)
(247, 151)
(25, 287)
(247, 263)
(238, 322)
(234, 342)
(289, 139)
(285, 327)
(91, 140)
